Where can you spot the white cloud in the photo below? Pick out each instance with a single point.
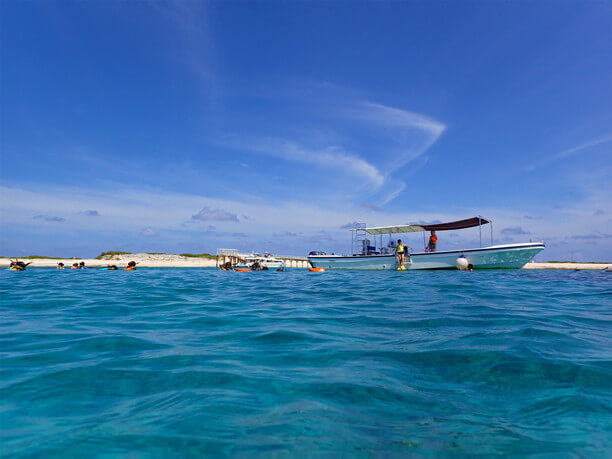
(401, 186)
(149, 232)
(393, 138)
(90, 213)
(215, 214)
(332, 157)
(49, 218)
(129, 210)
(514, 231)
(392, 116)
(414, 133)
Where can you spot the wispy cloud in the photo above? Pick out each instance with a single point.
(90, 213)
(286, 234)
(215, 214)
(414, 132)
(349, 225)
(569, 152)
(49, 218)
(370, 206)
(149, 232)
(332, 157)
(514, 231)
(127, 210)
(361, 141)
(401, 186)
(592, 236)
(192, 25)
(392, 116)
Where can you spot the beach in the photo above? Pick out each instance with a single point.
(568, 265)
(166, 260)
(145, 260)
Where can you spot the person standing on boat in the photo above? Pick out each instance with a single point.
(400, 252)
(433, 242)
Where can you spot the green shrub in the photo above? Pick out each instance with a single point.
(105, 255)
(199, 255)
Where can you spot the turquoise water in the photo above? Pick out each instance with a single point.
(198, 361)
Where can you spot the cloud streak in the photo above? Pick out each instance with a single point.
(570, 152)
(49, 218)
(328, 158)
(415, 133)
(514, 231)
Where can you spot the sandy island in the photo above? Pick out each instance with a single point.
(145, 260)
(148, 260)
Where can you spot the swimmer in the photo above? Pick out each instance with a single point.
(131, 266)
(18, 265)
(60, 265)
(227, 266)
(74, 266)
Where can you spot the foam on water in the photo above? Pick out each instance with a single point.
(198, 361)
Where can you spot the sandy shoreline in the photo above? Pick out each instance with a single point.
(568, 265)
(144, 260)
(147, 260)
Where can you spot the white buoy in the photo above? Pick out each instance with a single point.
(461, 263)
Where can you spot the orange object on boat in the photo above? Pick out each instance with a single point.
(316, 270)
(242, 270)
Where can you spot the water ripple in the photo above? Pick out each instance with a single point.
(203, 362)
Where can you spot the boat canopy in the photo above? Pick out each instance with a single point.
(459, 224)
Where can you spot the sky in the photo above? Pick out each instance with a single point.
(262, 125)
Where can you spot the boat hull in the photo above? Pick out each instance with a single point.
(267, 264)
(500, 256)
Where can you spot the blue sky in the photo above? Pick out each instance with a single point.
(184, 127)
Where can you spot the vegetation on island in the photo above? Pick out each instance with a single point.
(106, 255)
(199, 255)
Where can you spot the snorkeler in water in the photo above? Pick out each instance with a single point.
(18, 265)
(131, 266)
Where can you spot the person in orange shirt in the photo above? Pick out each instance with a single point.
(433, 242)
(131, 266)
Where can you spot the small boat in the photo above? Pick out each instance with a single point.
(369, 256)
(258, 262)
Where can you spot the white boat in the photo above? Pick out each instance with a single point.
(371, 257)
(265, 261)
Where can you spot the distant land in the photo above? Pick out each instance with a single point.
(206, 260)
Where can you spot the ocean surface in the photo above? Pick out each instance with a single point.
(161, 362)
